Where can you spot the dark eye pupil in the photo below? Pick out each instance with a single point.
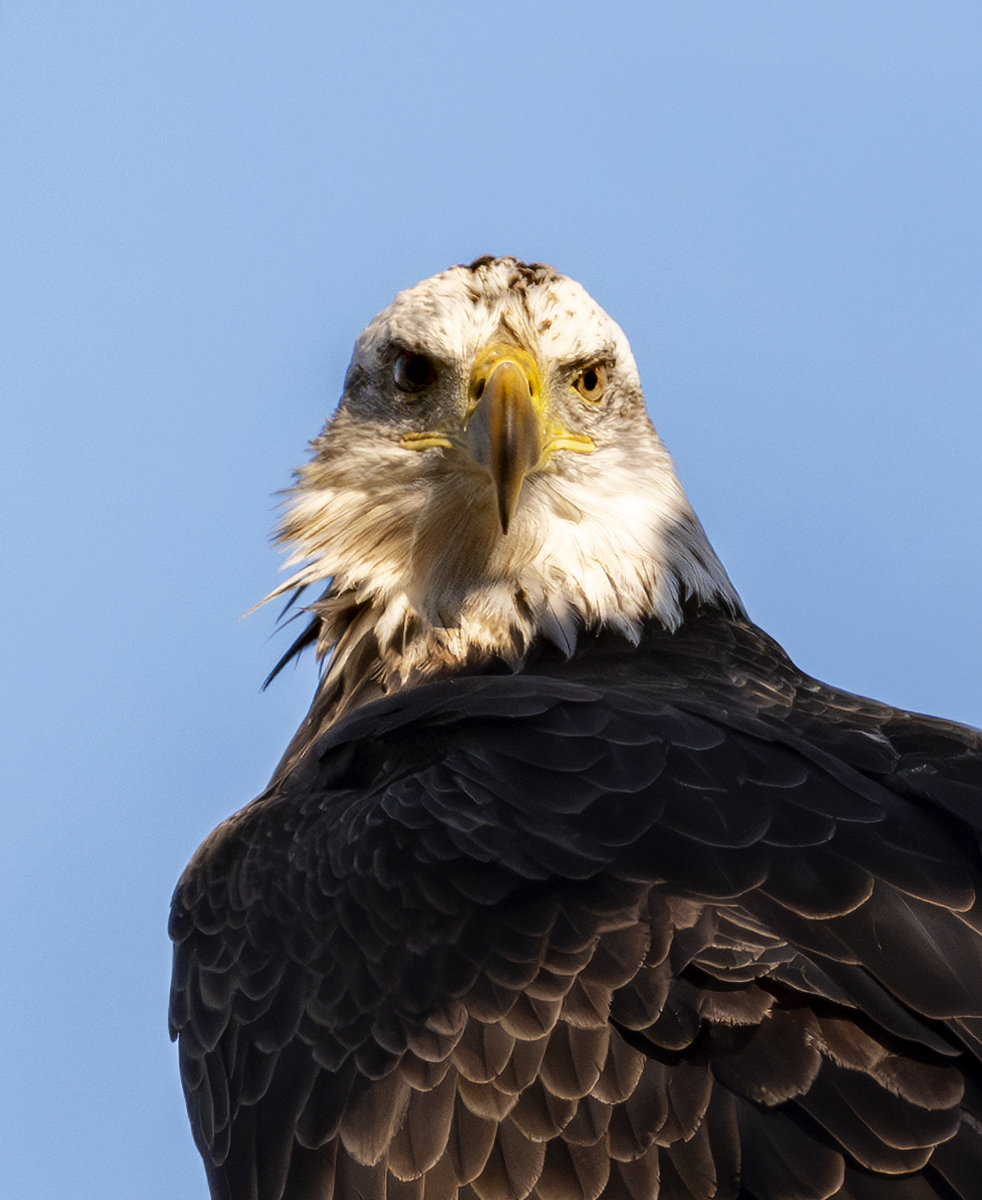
(413, 372)
(591, 382)
(417, 370)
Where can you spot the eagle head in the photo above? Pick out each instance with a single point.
(491, 479)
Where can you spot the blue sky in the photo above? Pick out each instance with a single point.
(201, 205)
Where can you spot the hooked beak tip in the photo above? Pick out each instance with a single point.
(503, 516)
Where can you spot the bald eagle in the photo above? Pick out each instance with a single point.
(570, 885)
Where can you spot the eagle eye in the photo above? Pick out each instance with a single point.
(591, 382)
(413, 372)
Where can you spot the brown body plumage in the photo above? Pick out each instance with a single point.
(570, 885)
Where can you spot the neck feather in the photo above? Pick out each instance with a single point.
(421, 580)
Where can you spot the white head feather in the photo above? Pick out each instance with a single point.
(410, 539)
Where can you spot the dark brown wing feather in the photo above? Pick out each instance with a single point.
(668, 921)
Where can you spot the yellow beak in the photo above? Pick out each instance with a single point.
(505, 430)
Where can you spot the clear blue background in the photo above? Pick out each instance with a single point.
(202, 203)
